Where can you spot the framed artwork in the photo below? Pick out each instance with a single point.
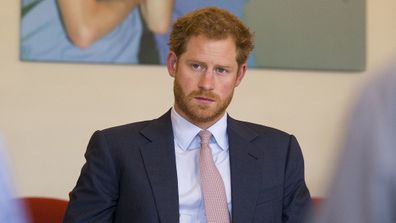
(289, 34)
(309, 34)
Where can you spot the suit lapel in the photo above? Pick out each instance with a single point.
(246, 173)
(159, 160)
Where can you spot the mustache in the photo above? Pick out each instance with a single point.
(204, 94)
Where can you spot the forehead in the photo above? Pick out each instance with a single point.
(206, 50)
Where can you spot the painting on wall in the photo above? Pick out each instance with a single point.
(289, 34)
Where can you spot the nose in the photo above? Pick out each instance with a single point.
(206, 81)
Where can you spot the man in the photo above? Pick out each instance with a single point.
(155, 171)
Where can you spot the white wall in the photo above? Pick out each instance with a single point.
(48, 111)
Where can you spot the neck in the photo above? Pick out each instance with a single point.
(203, 124)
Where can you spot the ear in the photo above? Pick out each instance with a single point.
(171, 62)
(241, 74)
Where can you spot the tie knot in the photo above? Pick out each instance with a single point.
(205, 136)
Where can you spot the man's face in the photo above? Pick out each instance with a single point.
(205, 77)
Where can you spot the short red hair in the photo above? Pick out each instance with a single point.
(213, 23)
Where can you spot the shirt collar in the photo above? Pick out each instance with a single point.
(186, 133)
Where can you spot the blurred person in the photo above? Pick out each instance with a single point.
(11, 208)
(364, 187)
(98, 31)
(195, 163)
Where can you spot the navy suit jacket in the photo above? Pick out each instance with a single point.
(130, 176)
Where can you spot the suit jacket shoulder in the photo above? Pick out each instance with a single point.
(267, 174)
(257, 128)
(129, 176)
(262, 136)
(140, 132)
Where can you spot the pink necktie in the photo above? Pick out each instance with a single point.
(212, 184)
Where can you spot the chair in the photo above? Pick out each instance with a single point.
(52, 210)
(45, 209)
(316, 202)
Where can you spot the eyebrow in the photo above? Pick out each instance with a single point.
(203, 63)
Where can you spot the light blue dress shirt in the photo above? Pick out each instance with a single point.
(187, 145)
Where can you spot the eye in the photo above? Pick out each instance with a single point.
(196, 67)
(221, 70)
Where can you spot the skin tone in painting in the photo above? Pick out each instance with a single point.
(87, 21)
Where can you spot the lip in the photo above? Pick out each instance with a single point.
(204, 100)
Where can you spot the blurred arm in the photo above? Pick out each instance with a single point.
(157, 14)
(88, 20)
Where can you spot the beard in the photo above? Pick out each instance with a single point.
(197, 113)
